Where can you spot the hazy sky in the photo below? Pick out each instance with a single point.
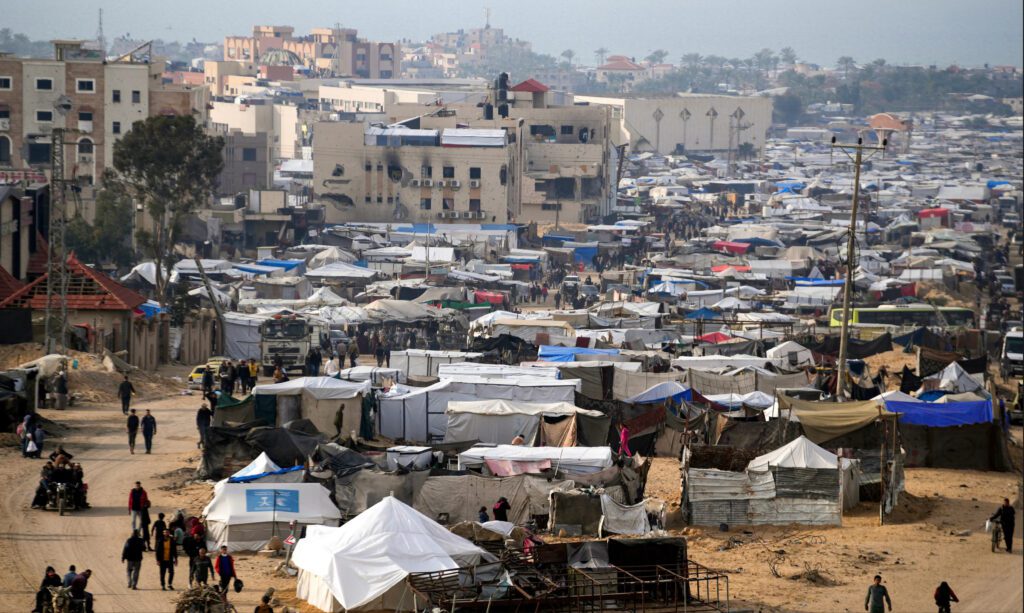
(967, 32)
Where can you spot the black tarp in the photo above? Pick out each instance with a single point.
(909, 382)
(287, 446)
(226, 446)
(17, 326)
(506, 348)
(669, 553)
(972, 447)
(856, 349)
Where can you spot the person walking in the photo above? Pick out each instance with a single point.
(944, 596)
(877, 597)
(148, 430)
(204, 417)
(204, 567)
(353, 352)
(254, 372)
(138, 500)
(124, 392)
(146, 521)
(225, 567)
(131, 554)
(191, 546)
(159, 526)
(167, 559)
(50, 579)
(501, 509)
(132, 428)
(208, 380)
(1007, 517)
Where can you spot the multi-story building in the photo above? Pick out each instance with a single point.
(337, 51)
(463, 161)
(694, 122)
(261, 115)
(104, 99)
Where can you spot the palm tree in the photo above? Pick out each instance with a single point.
(846, 64)
(764, 58)
(568, 54)
(657, 56)
(788, 56)
(691, 59)
(600, 53)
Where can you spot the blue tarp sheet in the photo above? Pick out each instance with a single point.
(285, 264)
(554, 353)
(757, 241)
(931, 395)
(703, 314)
(996, 183)
(585, 255)
(807, 281)
(557, 238)
(256, 269)
(150, 308)
(658, 393)
(942, 415)
(248, 478)
(521, 259)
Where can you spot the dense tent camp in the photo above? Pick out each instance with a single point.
(555, 424)
(332, 405)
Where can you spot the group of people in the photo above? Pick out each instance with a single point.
(878, 597)
(73, 580)
(30, 432)
(148, 426)
(60, 469)
(230, 376)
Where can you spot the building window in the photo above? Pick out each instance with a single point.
(5, 150)
(474, 205)
(567, 130)
(248, 154)
(84, 115)
(115, 96)
(474, 172)
(425, 204)
(426, 172)
(85, 86)
(5, 113)
(39, 153)
(44, 84)
(368, 198)
(368, 167)
(136, 96)
(380, 199)
(85, 146)
(117, 127)
(449, 172)
(448, 204)
(6, 83)
(44, 116)
(551, 206)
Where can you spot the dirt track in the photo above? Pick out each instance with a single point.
(32, 539)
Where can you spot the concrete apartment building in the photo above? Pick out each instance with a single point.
(369, 96)
(429, 163)
(698, 122)
(337, 51)
(261, 115)
(106, 99)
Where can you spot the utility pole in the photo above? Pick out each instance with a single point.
(851, 240)
(56, 323)
(712, 116)
(213, 300)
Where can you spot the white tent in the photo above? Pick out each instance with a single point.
(341, 271)
(330, 255)
(244, 516)
(262, 464)
(954, 378)
(362, 564)
(658, 392)
(499, 421)
(373, 374)
(800, 453)
(320, 400)
(755, 400)
(575, 459)
(793, 353)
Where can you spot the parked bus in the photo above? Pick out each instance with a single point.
(905, 316)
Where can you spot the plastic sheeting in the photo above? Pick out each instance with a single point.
(941, 415)
(824, 421)
(801, 453)
(242, 336)
(462, 496)
(628, 384)
(577, 459)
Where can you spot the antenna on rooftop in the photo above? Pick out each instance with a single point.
(487, 18)
(101, 40)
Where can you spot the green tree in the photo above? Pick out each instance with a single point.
(846, 64)
(788, 108)
(657, 56)
(169, 166)
(105, 240)
(788, 56)
(600, 53)
(568, 54)
(692, 60)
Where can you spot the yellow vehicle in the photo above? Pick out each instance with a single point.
(195, 378)
(905, 316)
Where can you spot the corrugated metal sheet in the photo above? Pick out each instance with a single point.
(712, 513)
(794, 511)
(704, 484)
(816, 483)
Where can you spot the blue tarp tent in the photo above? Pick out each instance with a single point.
(556, 239)
(939, 415)
(931, 395)
(150, 308)
(704, 313)
(809, 282)
(658, 393)
(554, 353)
(249, 478)
(285, 264)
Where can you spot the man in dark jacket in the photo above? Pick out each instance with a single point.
(124, 392)
(148, 430)
(78, 592)
(132, 429)
(137, 501)
(191, 546)
(204, 417)
(1007, 516)
(50, 579)
(131, 554)
(207, 379)
(225, 567)
(167, 559)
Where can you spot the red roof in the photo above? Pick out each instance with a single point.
(532, 86)
(731, 247)
(621, 64)
(8, 284)
(88, 290)
(714, 338)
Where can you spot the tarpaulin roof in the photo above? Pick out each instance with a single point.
(508, 407)
(321, 388)
(714, 338)
(661, 391)
(285, 264)
(555, 353)
(254, 503)
(704, 313)
(941, 415)
(587, 459)
(824, 421)
(377, 550)
(731, 247)
(800, 453)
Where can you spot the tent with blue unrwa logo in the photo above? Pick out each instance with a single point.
(245, 516)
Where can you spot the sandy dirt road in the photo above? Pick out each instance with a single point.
(32, 539)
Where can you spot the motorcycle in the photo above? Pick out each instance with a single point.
(997, 534)
(61, 498)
